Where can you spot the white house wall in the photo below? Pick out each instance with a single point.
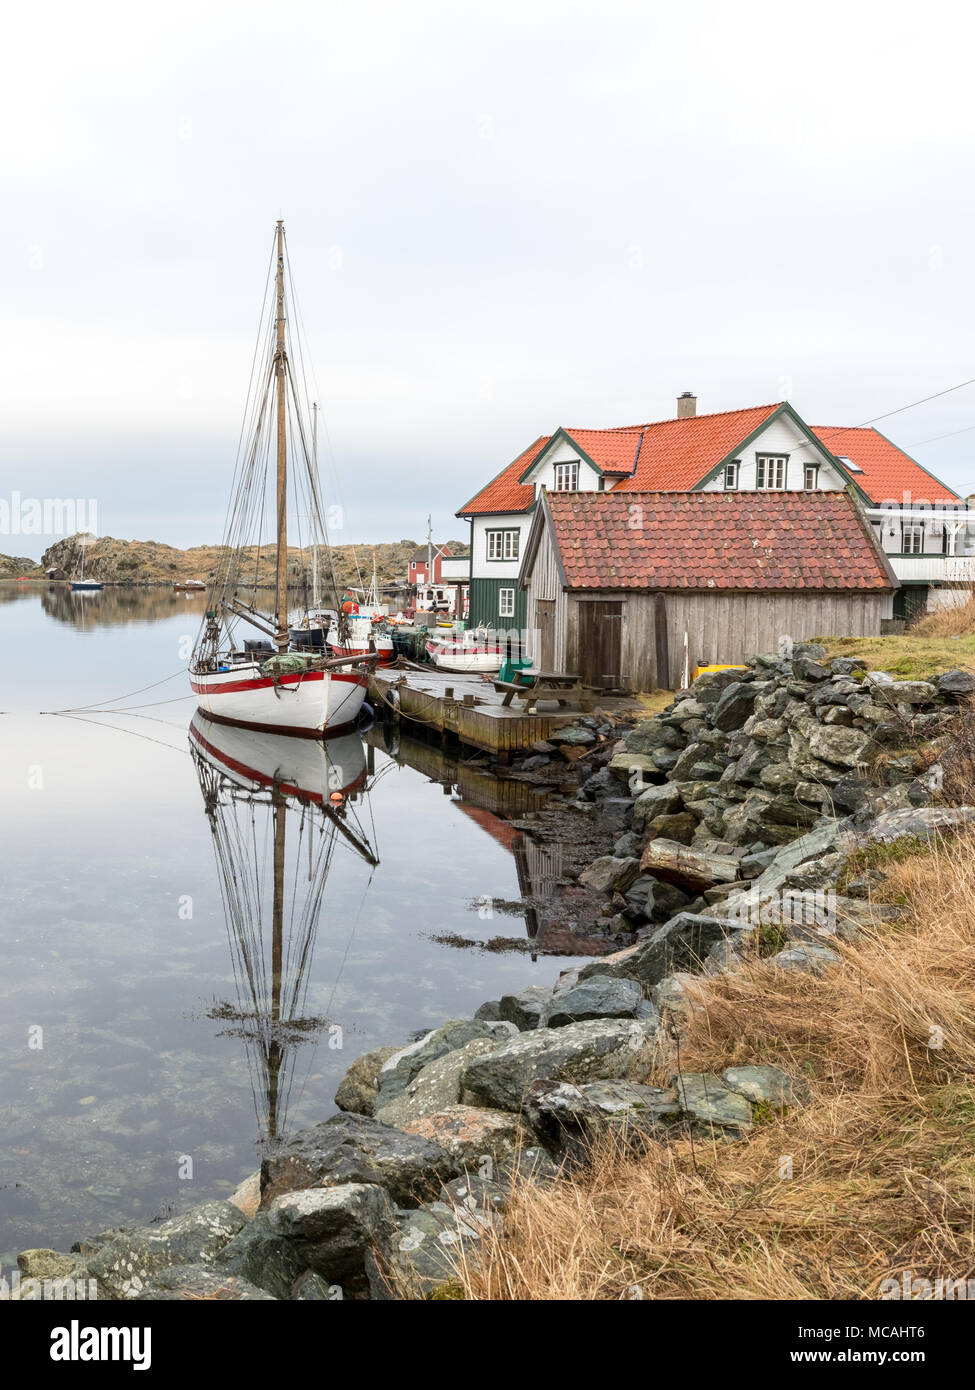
(483, 568)
(782, 437)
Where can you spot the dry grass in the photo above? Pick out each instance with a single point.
(949, 622)
(917, 655)
(883, 1171)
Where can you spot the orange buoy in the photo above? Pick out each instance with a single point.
(337, 796)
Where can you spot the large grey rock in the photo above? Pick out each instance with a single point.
(334, 1227)
(525, 1007)
(843, 747)
(805, 959)
(197, 1283)
(360, 1085)
(420, 1258)
(735, 705)
(650, 734)
(656, 801)
(125, 1265)
(601, 996)
(770, 1085)
(578, 1052)
(956, 683)
(399, 1070)
(924, 821)
(609, 874)
(262, 1257)
(910, 692)
(565, 1122)
(355, 1148)
(687, 867)
(713, 1106)
(648, 897)
(437, 1085)
(631, 1098)
(682, 944)
(473, 1135)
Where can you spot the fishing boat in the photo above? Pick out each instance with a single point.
(279, 810)
(273, 683)
(465, 652)
(367, 626)
(189, 586)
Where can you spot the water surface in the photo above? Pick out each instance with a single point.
(141, 1033)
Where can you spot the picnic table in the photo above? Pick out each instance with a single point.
(531, 685)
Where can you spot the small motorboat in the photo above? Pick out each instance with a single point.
(470, 652)
(189, 586)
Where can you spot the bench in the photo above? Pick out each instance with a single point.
(543, 685)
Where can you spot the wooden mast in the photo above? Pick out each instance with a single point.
(280, 369)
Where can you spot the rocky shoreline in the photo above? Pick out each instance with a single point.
(750, 818)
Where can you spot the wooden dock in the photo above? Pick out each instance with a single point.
(466, 707)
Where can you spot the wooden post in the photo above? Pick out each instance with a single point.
(661, 656)
(282, 457)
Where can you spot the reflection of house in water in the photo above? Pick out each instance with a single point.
(278, 808)
(494, 804)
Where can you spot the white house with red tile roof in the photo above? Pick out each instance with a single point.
(925, 527)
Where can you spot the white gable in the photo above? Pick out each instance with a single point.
(542, 473)
(782, 437)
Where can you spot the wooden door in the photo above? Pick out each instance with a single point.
(600, 643)
(545, 618)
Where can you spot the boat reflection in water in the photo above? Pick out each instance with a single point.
(279, 807)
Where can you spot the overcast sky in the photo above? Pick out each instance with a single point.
(501, 218)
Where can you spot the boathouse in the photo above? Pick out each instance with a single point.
(628, 589)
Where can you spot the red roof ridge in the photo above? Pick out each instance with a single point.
(711, 415)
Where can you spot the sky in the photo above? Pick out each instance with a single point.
(501, 219)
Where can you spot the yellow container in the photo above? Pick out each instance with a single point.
(729, 666)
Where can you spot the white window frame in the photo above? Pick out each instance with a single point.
(810, 470)
(503, 544)
(912, 539)
(774, 466)
(566, 476)
(731, 475)
(506, 603)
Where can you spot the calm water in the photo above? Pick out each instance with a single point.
(140, 1026)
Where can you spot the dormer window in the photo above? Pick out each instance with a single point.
(731, 475)
(567, 476)
(770, 471)
(810, 476)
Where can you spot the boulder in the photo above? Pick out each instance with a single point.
(399, 1070)
(631, 1098)
(648, 897)
(736, 703)
(356, 1149)
(768, 1085)
(682, 944)
(623, 766)
(577, 1052)
(437, 1085)
(472, 1134)
(262, 1257)
(679, 827)
(126, 1264)
(419, 1258)
(562, 1118)
(805, 958)
(334, 1227)
(51, 1264)
(360, 1085)
(648, 735)
(713, 1106)
(805, 669)
(955, 683)
(910, 692)
(688, 868)
(525, 1007)
(656, 801)
(601, 996)
(842, 747)
(609, 874)
(199, 1283)
(923, 821)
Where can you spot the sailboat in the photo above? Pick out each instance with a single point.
(276, 682)
(279, 810)
(81, 584)
(367, 628)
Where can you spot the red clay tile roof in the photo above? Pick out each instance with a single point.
(886, 474)
(504, 493)
(677, 454)
(715, 540)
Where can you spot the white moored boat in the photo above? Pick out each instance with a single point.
(283, 683)
(465, 651)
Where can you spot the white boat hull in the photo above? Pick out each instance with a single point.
(461, 657)
(309, 703)
(312, 771)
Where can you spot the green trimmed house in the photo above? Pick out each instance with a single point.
(926, 529)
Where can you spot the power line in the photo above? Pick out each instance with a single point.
(935, 439)
(901, 408)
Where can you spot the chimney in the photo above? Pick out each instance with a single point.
(686, 405)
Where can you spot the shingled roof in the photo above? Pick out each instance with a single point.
(676, 455)
(713, 540)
